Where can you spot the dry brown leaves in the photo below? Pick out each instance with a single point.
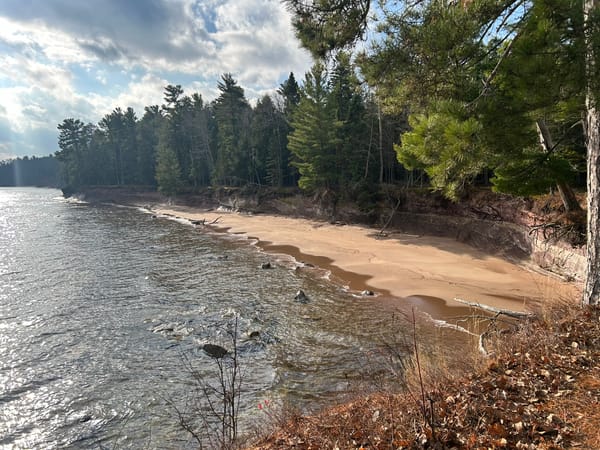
(540, 391)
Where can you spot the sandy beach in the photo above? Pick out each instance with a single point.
(425, 271)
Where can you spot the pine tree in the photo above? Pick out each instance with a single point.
(232, 112)
(147, 139)
(72, 142)
(327, 25)
(168, 172)
(352, 137)
(313, 141)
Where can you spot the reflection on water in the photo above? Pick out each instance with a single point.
(99, 303)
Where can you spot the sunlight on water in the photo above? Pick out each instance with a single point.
(99, 304)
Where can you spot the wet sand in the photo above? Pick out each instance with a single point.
(425, 271)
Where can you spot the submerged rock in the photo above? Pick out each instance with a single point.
(214, 351)
(367, 292)
(172, 330)
(301, 297)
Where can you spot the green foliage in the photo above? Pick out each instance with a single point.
(186, 143)
(233, 165)
(446, 146)
(352, 132)
(530, 58)
(533, 174)
(147, 137)
(168, 172)
(290, 91)
(327, 25)
(269, 143)
(313, 141)
(73, 142)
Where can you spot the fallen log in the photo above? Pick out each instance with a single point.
(497, 311)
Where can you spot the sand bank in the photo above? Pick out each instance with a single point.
(422, 270)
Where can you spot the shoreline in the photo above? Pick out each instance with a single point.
(426, 272)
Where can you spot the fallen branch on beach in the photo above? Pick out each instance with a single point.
(203, 222)
(498, 311)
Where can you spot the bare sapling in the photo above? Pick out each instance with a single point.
(211, 412)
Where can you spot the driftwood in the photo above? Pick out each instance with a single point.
(493, 320)
(498, 311)
(203, 221)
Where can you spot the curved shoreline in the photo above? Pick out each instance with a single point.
(424, 271)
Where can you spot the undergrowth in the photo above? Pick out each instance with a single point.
(537, 388)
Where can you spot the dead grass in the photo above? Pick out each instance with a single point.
(540, 389)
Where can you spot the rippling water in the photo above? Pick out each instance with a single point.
(99, 303)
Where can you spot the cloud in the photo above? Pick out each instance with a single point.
(208, 37)
(257, 43)
(104, 50)
(82, 59)
(31, 72)
(117, 31)
(5, 132)
(146, 91)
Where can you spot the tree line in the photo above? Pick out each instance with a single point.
(326, 133)
(34, 171)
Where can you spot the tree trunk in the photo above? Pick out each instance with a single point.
(567, 195)
(565, 191)
(380, 143)
(591, 291)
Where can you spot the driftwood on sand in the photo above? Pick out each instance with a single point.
(203, 222)
(497, 311)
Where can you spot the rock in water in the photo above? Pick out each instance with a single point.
(266, 265)
(214, 351)
(367, 292)
(301, 297)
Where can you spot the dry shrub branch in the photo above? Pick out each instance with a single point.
(539, 389)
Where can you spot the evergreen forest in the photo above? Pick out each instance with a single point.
(326, 133)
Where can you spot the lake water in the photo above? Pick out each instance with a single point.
(101, 306)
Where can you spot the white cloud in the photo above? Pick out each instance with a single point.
(129, 51)
(31, 72)
(138, 94)
(257, 43)
(34, 39)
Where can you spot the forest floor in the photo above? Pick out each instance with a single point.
(537, 388)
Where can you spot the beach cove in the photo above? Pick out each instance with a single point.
(402, 269)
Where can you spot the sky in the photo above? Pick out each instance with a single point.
(83, 58)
